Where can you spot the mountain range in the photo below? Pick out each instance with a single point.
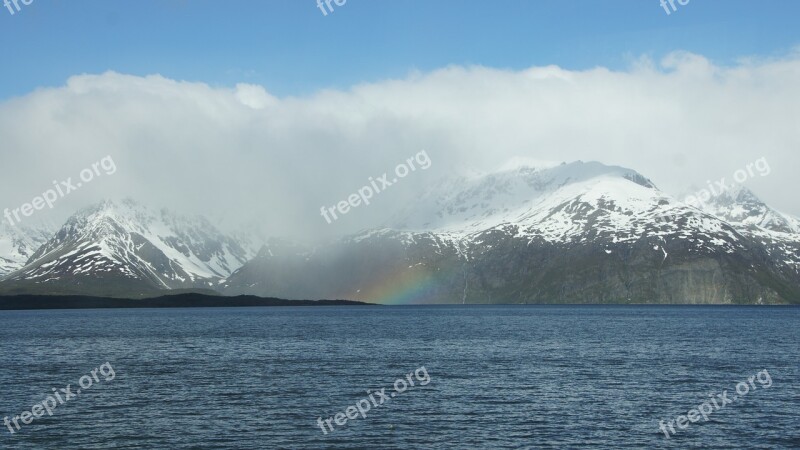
(124, 249)
(582, 232)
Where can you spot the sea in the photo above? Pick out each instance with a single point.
(402, 377)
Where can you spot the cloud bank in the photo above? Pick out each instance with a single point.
(242, 155)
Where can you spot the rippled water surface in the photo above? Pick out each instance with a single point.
(500, 377)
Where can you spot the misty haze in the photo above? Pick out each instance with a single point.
(344, 224)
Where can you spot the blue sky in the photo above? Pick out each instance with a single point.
(289, 47)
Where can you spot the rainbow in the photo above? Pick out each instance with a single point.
(408, 287)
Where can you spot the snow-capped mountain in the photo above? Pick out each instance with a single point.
(570, 233)
(117, 248)
(741, 207)
(579, 232)
(571, 203)
(18, 243)
(468, 205)
(779, 233)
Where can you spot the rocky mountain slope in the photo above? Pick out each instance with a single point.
(125, 249)
(574, 233)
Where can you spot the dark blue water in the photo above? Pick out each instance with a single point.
(500, 377)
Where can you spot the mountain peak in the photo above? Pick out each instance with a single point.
(124, 240)
(468, 205)
(739, 205)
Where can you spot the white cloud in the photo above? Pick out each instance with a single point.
(242, 153)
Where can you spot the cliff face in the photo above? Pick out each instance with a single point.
(511, 272)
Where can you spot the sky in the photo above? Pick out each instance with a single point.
(291, 48)
(267, 110)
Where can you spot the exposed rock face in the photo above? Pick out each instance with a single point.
(577, 233)
(574, 233)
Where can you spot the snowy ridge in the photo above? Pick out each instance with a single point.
(578, 232)
(778, 232)
(572, 233)
(568, 203)
(125, 239)
(581, 203)
(741, 207)
(18, 243)
(467, 206)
